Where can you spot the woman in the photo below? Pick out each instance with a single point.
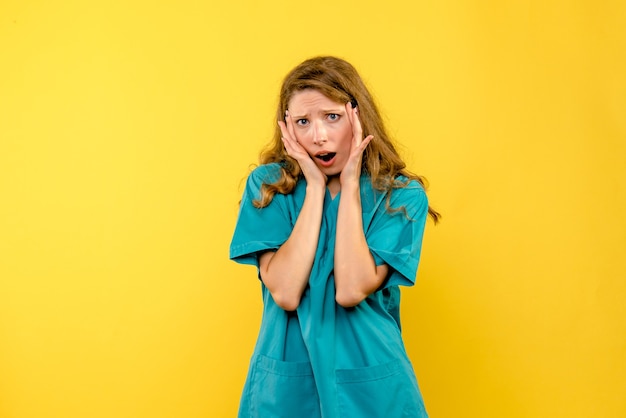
(334, 223)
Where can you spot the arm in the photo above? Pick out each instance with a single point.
(356, 273)
(286, 271)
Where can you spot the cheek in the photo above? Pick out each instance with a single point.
(305, 141)
(302, 136)
(346, 138)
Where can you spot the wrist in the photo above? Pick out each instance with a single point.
(316, 189)
(351, 183)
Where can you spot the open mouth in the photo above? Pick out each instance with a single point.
(326, 157)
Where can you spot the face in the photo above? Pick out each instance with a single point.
(323, 129)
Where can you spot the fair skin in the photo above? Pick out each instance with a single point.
(326, 139)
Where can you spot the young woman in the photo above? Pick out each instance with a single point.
(334, 224)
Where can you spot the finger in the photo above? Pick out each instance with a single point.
(290, 127)
(285, 131)
(287, 143)
(365, 142)
(283, 128)
(357, 152)
(350, 113)
(293, 148)
(357, 130)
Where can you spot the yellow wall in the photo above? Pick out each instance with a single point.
(126, 128)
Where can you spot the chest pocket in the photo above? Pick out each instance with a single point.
(280, 389)
(387, 391)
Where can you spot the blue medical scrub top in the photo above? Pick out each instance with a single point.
(323, 360)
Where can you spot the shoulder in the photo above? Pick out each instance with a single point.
(409, 194)
(402, 189)
(409, 187)
(266, 173)
(406, 196)
(263, 174)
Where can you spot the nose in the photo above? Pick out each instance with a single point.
(319, 133)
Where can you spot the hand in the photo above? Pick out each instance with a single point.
(311, 171)
(352, 170)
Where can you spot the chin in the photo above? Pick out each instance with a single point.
(332, 173)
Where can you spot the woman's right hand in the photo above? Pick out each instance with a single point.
(312, 173)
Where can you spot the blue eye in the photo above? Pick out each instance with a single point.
(333, 116)
(301, 122)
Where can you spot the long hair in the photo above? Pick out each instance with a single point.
(339, 81)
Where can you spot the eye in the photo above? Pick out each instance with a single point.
(302, 122)
(333, 116)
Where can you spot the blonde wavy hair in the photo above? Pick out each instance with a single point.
(339, 81)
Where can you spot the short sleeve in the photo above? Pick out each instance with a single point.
(259, 229)
(395, 238)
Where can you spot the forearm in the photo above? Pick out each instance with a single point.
(286, 272)
(356, 273)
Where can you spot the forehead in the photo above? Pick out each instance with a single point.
(310, 99)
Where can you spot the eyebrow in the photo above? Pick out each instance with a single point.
(322, 111)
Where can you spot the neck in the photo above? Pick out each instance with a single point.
(334, 186)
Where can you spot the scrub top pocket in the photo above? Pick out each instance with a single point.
(384, 391)
(280, 389)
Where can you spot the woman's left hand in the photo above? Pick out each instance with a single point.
(352, 170)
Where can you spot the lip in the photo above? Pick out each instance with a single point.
(325, 163)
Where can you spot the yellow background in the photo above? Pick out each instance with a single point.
(127, 128)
